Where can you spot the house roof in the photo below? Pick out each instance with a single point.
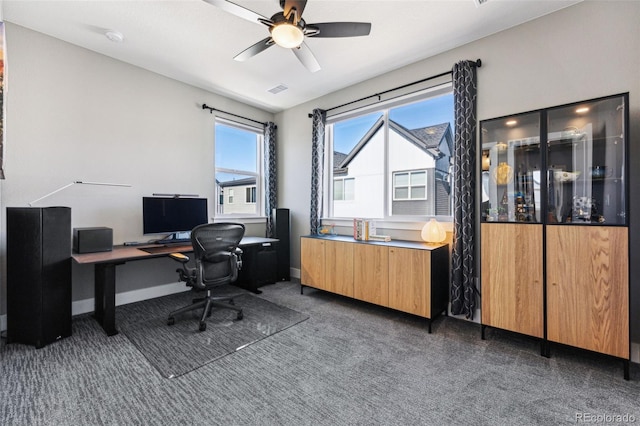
(427, 138)
(237, 182)
(338, 158)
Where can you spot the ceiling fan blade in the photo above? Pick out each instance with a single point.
(287, 5)
(339, 29)
(255, 49)
(304, 54)
(239, 11)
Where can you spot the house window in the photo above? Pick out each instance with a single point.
(401, 155)
(343, 189)
(250, 194)
(410, 185)
(238, 160)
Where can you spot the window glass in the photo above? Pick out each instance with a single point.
(395, 162)
(357, 144)
(349, 189)
(338, 189)
(237, 168)
(250, 195)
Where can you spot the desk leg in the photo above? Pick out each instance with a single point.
(105, 297)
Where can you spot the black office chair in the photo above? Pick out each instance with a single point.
(218, 259)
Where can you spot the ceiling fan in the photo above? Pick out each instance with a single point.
(288, 29)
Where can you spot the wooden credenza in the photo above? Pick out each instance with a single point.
(408, 276)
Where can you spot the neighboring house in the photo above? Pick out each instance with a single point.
(419, 164)
(236, 196)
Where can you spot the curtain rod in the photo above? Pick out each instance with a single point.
(211, 109)
(477, 63)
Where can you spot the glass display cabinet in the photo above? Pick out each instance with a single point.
(554, 233)
(584, 156)
(586, 163)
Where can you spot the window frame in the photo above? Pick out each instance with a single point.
(259, 174)
(390, 221)
(343, 180)
(250, 194)
(409, 186)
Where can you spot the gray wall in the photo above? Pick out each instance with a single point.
(72, 114)
(585, 51)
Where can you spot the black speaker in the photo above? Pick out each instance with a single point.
(92, 240)
(282, 231)
(38, 274)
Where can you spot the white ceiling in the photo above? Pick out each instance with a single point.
(195, 42)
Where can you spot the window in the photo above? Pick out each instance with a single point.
(400, 155)
(410, 185)
(250, 196)
(343, 189)
(238, 171)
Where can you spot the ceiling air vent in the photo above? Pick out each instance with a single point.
(279, 88)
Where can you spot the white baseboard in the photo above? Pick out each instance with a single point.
(635, 352)
(87, 305)
(295, 273)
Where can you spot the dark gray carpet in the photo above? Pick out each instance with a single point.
(180, 348)
(350, 363)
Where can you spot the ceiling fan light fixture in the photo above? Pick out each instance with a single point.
(287, 35)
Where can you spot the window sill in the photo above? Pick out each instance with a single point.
(243, 219)
(393, 225)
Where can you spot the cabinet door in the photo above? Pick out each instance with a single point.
(588, 288)
(339, 267)
(512, 277)
(409, 281)
(511, 169)
(586, 149)
(371, 273)
(312, 261)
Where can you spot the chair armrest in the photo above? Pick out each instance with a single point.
(179, 257)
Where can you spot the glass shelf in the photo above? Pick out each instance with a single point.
(511, 172)
(595, 156)
(573, 174)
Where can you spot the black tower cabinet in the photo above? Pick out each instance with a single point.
(38, 274)
(259, 260)
(282, 225)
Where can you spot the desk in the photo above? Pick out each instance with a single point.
(105, 272)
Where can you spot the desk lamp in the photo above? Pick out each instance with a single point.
(74, 183)
(433, 232)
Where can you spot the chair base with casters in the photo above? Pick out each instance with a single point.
(217, 261)
(207, 303)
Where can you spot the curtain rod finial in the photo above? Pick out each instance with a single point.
(478, 63)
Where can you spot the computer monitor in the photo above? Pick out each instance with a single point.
(169, 215)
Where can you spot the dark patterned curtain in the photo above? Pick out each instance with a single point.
(270, 176)
(463, 290)
(317, 168)
(2, 99)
